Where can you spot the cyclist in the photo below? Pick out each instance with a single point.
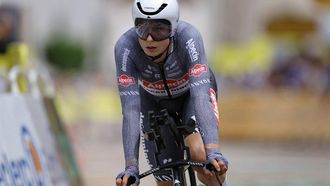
(161, 64)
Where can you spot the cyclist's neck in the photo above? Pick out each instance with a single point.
(161, 58)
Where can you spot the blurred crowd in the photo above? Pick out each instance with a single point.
(13, 52)
(260, 64)
(266, 64)
(303, 71)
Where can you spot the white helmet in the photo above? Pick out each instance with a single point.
(157, 9)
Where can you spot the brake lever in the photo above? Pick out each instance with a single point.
(210, 167)
(131, 180)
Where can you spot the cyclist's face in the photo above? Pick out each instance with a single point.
(154, 48)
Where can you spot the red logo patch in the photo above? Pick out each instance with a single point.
(125, 81)
(197, 70)
(171, 83)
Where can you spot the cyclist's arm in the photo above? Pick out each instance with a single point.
(199, 78)
(127, 81)
(204, 99)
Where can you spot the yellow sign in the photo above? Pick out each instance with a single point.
(17, 54)
(324, 2)
(290, 24)
(254, 56)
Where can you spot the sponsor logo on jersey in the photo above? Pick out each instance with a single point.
(200, 82)
(197, 70)
(176, 86)
(175, 64)
(125, 58)
(157, 76)
(148, 71)
(145, 75)
(190, 45)
(173, 73)
(125, 80)
(129, 93)
(143, 140)
(152, 68)
(214, 104)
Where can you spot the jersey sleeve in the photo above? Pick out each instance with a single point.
(202, 93)
(127, 80)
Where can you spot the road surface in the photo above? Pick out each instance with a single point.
(100, 155)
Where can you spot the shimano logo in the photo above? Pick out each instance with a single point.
(192, 50)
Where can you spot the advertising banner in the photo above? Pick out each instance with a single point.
(22, 161)
(28, 154)
(49, 146)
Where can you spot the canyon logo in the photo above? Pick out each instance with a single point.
(197, 70)
(125, 80)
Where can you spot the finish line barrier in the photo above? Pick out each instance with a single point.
(34, 148)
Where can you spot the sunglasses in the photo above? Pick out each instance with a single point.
(159, 29)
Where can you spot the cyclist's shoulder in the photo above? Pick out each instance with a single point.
(187, 29)
(127, 40)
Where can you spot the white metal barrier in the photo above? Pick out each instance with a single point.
(23, 158)
(29, 154)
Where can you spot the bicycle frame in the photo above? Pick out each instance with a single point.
(177, 168)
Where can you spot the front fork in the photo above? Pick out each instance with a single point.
(179, 178)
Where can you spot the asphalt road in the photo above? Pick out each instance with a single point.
(100, 155)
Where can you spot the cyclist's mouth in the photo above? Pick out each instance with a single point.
(151, 48)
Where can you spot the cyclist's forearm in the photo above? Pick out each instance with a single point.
(207, 120)
(131, 126)
(131, 138)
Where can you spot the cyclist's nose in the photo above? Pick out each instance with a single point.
(149, 38)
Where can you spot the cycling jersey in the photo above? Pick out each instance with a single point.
(184, 71)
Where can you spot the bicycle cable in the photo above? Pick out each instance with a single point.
(218, 179)
(210, 167)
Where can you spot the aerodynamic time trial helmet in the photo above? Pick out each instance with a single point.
(159, 18)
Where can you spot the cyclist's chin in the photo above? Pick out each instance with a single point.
(152, 52)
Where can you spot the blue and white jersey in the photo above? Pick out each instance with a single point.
(185, 69)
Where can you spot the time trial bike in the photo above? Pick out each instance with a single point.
(179, 168)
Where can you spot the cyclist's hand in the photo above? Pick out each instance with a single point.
(216, 162)
(129, 177)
